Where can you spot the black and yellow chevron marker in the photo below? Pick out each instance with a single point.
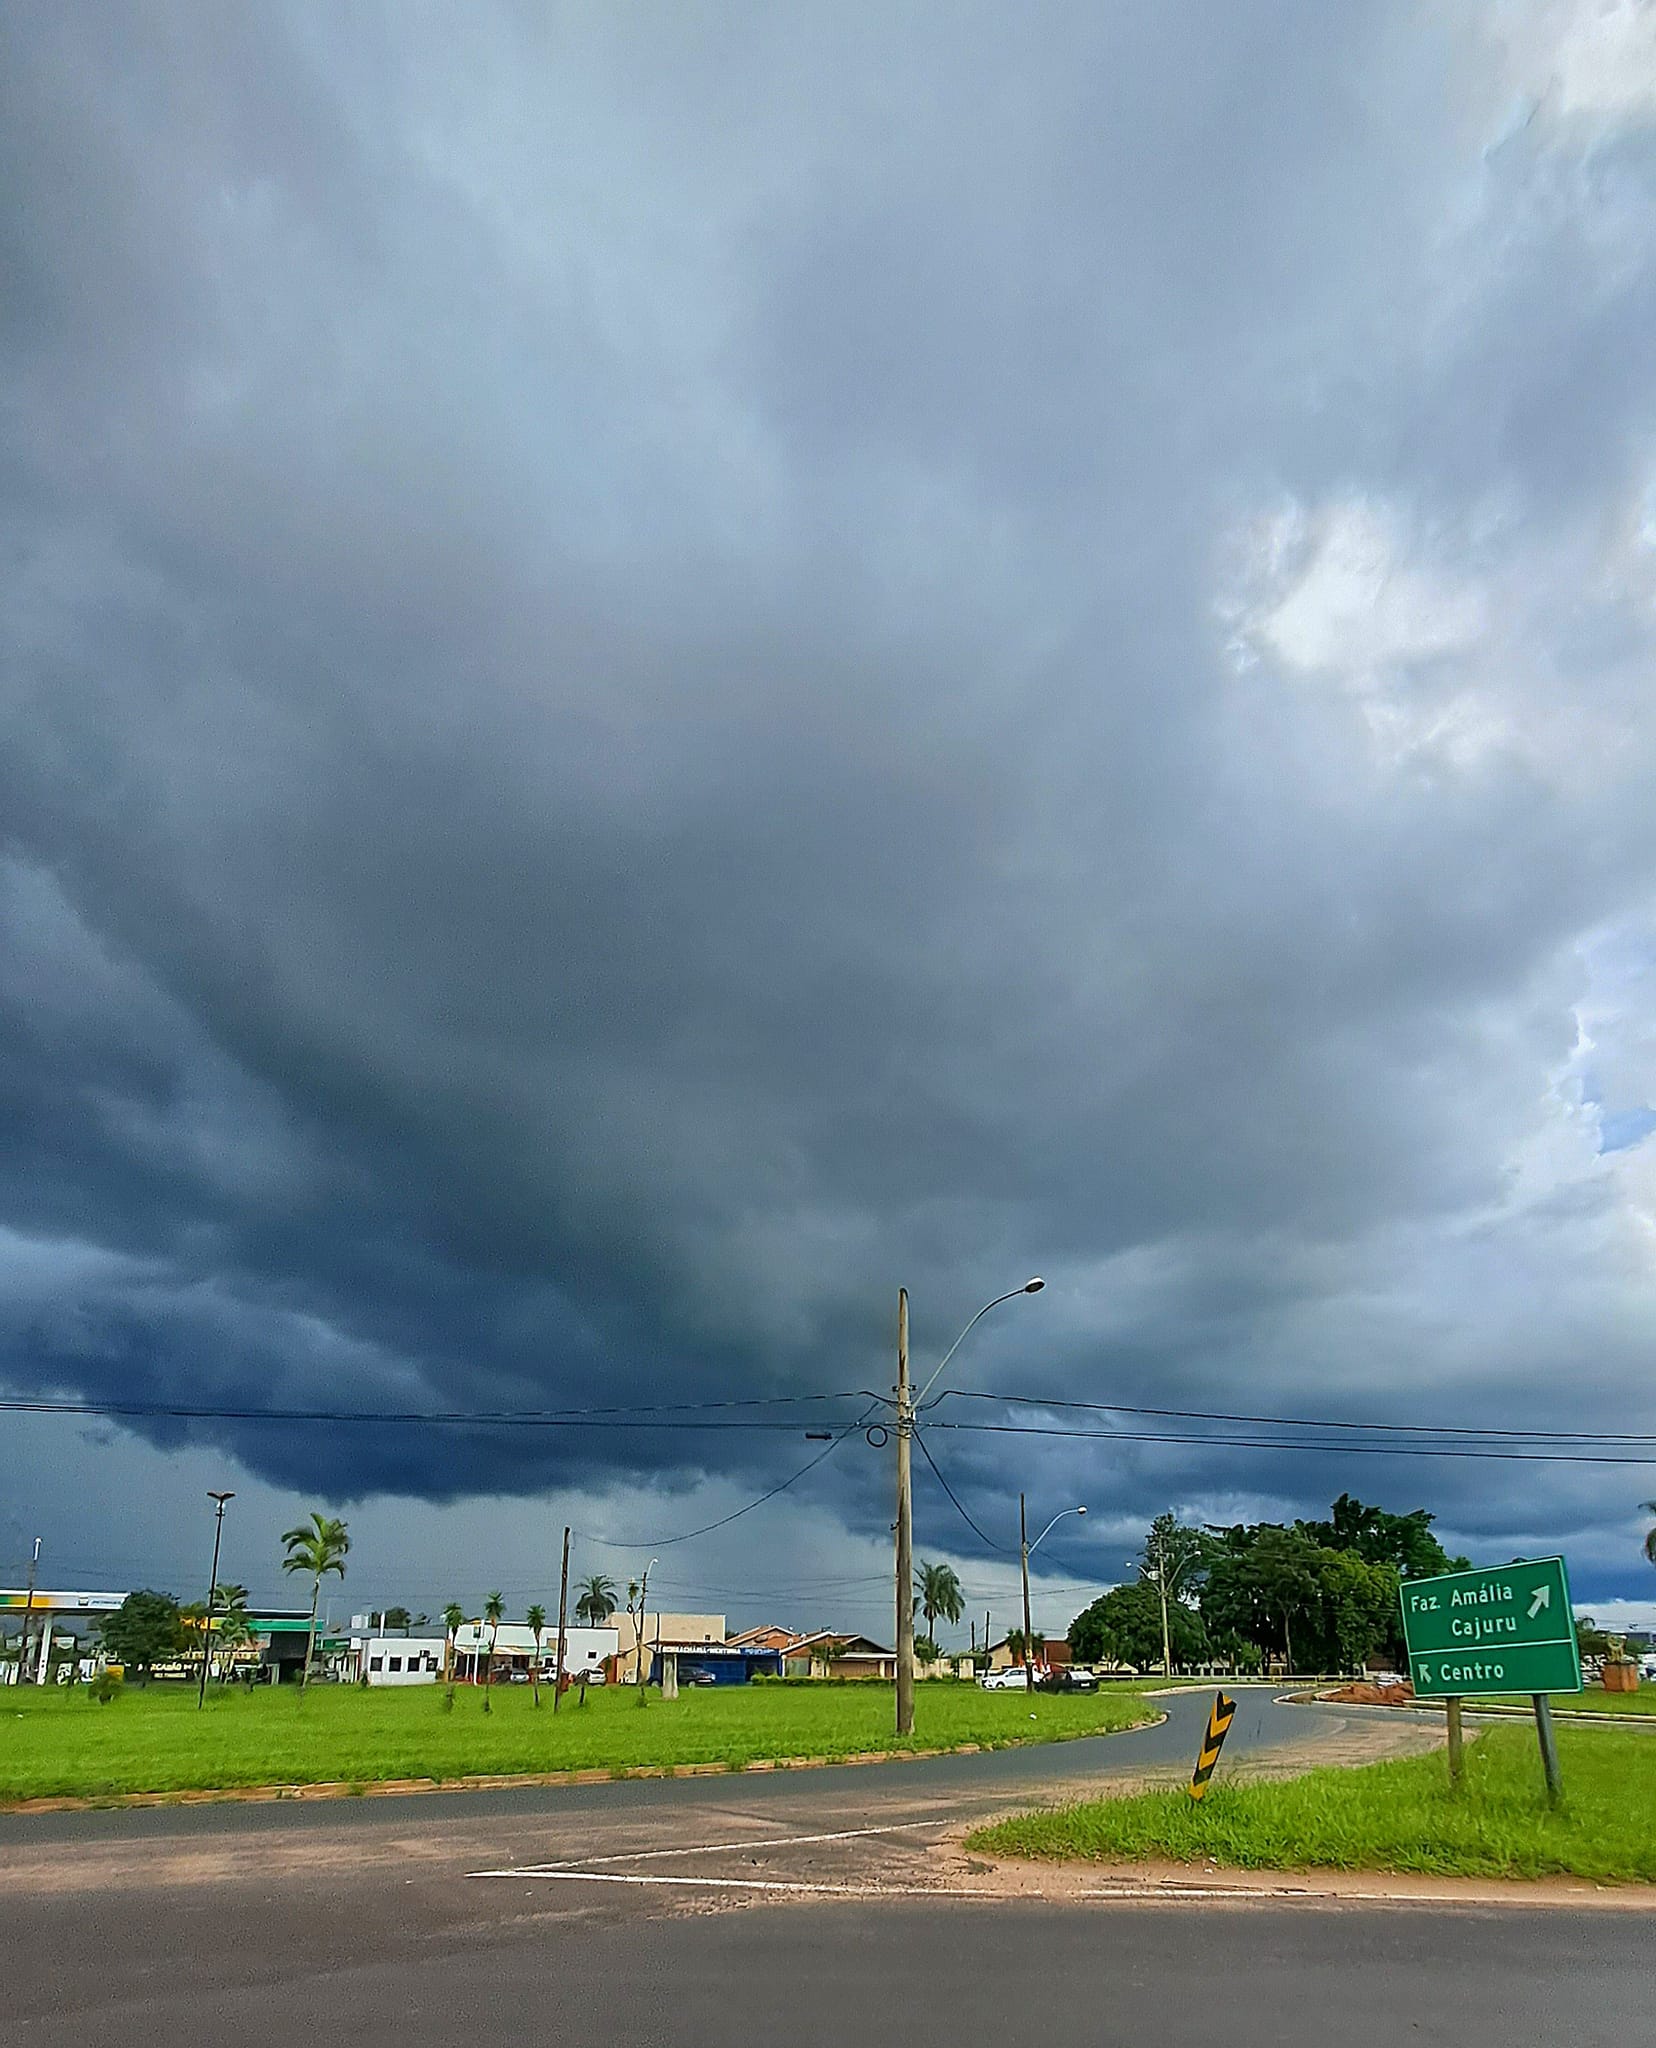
(1218, 1727)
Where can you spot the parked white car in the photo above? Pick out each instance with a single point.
(1013, 1679)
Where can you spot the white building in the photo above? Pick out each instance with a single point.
(402, 1660)
(586, 1650)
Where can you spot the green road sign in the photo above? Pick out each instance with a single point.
(1510, 1629)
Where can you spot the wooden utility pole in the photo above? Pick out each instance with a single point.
(563, 1609)
(1029, 1648)
(905, 1528)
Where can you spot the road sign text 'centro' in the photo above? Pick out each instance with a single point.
(1507, 1629)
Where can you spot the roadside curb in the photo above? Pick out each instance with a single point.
(1406, 1708)
(1161, 1884)
(383, 1788)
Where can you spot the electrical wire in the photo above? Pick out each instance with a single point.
(724, 1521)
(949, 1490)
(631, 1417)
(1299, 1421)
(1267, 1443)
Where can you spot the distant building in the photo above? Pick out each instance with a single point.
(677, 1633)
(401, 1660)
(1052, 1655)
(838, 1653)
(586, 1650)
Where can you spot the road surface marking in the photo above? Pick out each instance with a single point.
(720, 1848)
(738, 1884)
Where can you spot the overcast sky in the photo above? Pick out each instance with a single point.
(665, 667)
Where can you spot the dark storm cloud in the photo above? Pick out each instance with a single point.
(658, 675)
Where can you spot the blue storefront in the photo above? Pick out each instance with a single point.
(718, 1664)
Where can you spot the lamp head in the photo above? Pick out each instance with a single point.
(1034, 1286)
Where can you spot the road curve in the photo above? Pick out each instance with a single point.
(965, 1784)
(367, 1921)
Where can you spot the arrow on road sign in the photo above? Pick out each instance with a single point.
(1541, 1597)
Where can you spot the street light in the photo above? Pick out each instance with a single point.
(907, 1407)
(1166, 1586)
(212, 1592)
(643, 1596)
(1026, 1546)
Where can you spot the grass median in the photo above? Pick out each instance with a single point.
(58, 1742)
(1399, 1816)
(1595, 1700)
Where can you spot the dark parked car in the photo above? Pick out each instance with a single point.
(1069, 1679)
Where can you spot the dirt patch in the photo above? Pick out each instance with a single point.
(1363, 1694)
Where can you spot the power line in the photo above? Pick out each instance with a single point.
(949, 1490)
(648, 1416)
(1267, 1443)
(663, 1542)
(1302, 1422)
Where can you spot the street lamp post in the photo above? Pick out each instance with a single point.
(1026, 1547)
(643, 1599)
(219, 1500)
(28, 1610)
(1166, 1587)
(908, 1405)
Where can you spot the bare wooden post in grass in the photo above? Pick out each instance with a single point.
(563, 1610)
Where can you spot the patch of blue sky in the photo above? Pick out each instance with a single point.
(1621, 1128)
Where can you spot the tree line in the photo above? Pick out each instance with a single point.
(1321, 1596)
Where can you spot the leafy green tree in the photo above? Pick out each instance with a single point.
(318, 1547)
(493, 1608)
(1648, 1507)
(1405, 1542)
(1261, 1581)
(1124, 1626)
(536, 1618)
(145, 1630)
(1591, 1640)
(396, 1617)
(595, 1601)
(1360, 1607)
(925, 1650)
(938, 1592)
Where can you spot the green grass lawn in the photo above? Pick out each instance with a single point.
(1595, 1700)
(58, 1741)
(1392, 1816)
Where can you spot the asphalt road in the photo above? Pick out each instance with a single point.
(815, 1905)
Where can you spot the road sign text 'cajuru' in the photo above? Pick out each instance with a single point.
(1507, 1629)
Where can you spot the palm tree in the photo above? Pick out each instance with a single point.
(318, 1547)
(235, 1626)
(536, 1618)
(493, 1608)
(1649, 1507)
(453, 1616)
(595, 1602)
(939, 1593)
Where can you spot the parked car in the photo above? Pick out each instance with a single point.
(1071, 1678)
(1013, 1679)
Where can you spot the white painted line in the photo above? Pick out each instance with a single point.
(900, 1827)
(738, 1884)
